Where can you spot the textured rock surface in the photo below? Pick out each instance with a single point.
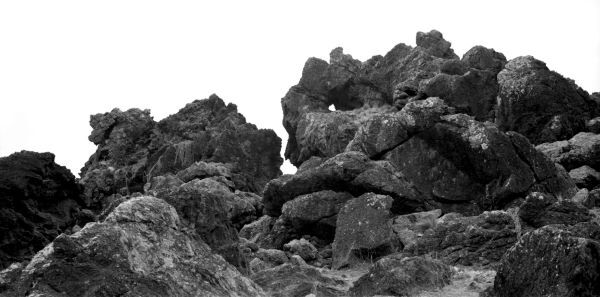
(39, 199)
(551, 261)
(364, 230)
(133, 148)
(585, 177)
(139, 250)
(541, 209)
(299, 281)
(400, 276)
(541, 104)
(409, 228)
(583, 149)
(302, 248)
(477, 240)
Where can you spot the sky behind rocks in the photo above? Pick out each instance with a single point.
(61, 61)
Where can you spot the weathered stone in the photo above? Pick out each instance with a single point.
(401, 276)
(139, 250)
(434, 43)
(593, 125)
(302, 248)
(39, 199)
(583, 149)
(477, 240)
(541, 209)
(364, 230)
(539, 103)
(550, 261)
(585, 177)
(315, 213)
(299, 281)
(273, 256)
(351, 171)
(408, 228)
(133, 148)
(482, 58)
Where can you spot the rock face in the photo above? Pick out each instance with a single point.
(39, 199)
(551, 261)
(402, 276)
(541, 104)
(133, 148)
(140, 249)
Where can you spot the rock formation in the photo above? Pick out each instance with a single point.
(39, 200)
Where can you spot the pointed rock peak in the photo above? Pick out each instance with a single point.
(435, 44)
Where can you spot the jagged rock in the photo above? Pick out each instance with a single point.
(364, 230)
(475, 240)
(351, 171)
(133, 148)
(550, 261)
(593, 125)
(256, 265)
(539, 103)
(408, 228)
(541, 209)
(315, 213)
(482, 58)
(39, 199)
(584, 198)
(434, 43)
(299, 281)
(585, 177)
(302, 248)
(139, 250)
(583, 149)
(402, 276)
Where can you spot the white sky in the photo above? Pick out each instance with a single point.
(61, 61)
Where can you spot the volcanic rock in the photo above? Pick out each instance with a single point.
(402, 276)
(583, 149)
(39, 199)
(205, 138)
(141, 249)
(550, 261)
(541, 104)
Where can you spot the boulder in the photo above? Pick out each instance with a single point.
(141, 249)
(585, 177)
(300, 281)
(364, 230)
(410, 227)
(268, 232)
(351, 172)
(540, 103)
(39, 200)
(315, 213)
(397, 275)
(550, 261)
(272, 256)
(541, 209)
(583, 149)
(593, 125)
(482, 58)
(302, 248)
(476, 240)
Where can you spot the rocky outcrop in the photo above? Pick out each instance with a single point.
(204, 138)
(402, 276)
(141, 249)
(541, 104)
(360, 90)
(551, 261)
(541, 209)
(39, 199)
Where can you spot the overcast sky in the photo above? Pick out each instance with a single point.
(61, 61)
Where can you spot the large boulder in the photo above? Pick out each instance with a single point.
(585, 177)
(551, 261)
(541, 209)
(364, 230)
(206, 138)
(39, 200)
(397, 275)
(540, 103)
(141, 249)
